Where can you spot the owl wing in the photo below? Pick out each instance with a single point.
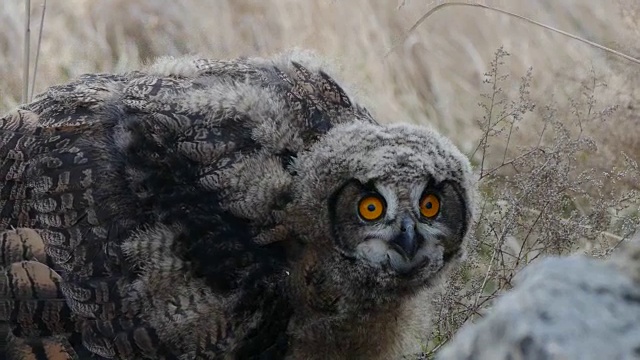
(36, 321)
(33, 309)
(50, 170)
(142, 190)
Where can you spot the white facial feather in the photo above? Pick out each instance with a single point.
(391, 199)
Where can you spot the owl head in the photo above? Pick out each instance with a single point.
(390, 204)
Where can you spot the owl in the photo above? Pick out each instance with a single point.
(222, 209)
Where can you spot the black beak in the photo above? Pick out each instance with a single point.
(407, 241)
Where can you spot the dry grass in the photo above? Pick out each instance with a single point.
(435, 76)
(547, 189)
(557, 150)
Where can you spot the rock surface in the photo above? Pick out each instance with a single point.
(561, 308)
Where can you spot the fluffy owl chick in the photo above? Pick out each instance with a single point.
(390, 207)
(231, 209)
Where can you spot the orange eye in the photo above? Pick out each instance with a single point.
(371, 208)
(429, 206)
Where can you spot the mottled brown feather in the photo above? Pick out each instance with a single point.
(31, 299)
(183, 212)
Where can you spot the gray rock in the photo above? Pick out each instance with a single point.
(561, 308)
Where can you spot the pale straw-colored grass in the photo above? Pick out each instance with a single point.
(434, 76)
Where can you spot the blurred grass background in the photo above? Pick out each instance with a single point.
(435, 76)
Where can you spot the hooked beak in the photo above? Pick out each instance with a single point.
(406, 243)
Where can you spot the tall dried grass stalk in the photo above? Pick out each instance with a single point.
(27, 50)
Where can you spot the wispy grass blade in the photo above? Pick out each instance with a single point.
(25, 60)
(35, 67)
(508, 13)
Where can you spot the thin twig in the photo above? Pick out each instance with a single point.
(526, 19)
(35, 67)
(485, 140)
(25, 60)
(486, 277)
(510, 162)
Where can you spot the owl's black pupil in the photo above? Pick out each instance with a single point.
(428, 205)
(371, 208)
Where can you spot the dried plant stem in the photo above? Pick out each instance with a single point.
(25, 63)
(607, 234)
(35, 66)
(489, 116)
(486, 277)
(526, 19)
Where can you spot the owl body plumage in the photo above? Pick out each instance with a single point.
(203, 209)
